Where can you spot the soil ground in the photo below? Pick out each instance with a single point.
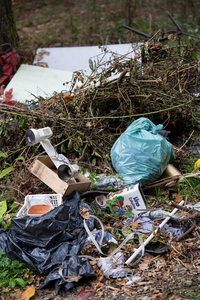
(55, 24)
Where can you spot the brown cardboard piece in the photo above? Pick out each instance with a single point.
(43, 168)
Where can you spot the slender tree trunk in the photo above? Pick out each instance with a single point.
(8, 30)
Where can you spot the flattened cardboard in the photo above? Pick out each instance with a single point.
(43, 168)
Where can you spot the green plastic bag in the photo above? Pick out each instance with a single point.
(140, 154)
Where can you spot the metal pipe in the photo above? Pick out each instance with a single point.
(137, 31)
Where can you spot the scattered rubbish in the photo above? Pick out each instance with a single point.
(195, 206)
(140, 155)
(68, 177)
(38, 210)
(153, 234)
(129, 199)
(106, 181)
(145, 224)
(50, 199)
(164, 133)
(30, 82)
(171, 171)
(65, 170)
(55, 238)
(114, 266)
(100, 200)
(97, 234)
(197, 165)
(88, 56)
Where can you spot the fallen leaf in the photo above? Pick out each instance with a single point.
(84, 213)
(160, 264)
(134, 224)
(7, 217)
(28, 293)
(86, 294)
(88, 124)
(68, 97)
(154, 296)
(39, 57)
(177, 198)
(42, 64)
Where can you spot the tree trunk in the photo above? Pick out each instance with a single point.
(8, 29)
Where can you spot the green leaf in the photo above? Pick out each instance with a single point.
(12, 283)
(20, 281)
(6, 172)
(2, 154)
(20, 158)
(70, 145)
(91, 64)
(3, 208)
(97, 154)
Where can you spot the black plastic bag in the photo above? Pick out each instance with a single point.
(50, 240)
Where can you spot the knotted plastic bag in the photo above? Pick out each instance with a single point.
(140, 154)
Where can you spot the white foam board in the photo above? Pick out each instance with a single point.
(77, 58)
(32, 80)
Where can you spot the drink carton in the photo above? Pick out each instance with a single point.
(129, 199)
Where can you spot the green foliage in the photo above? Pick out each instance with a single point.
(110, 203)
(12, 272)
(94, 177)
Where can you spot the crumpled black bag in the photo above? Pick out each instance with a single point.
(53, 239)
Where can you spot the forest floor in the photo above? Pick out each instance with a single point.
(172, 275)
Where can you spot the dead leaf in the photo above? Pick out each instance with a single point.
(39, 57)
(28, 293)
(47, 52)
(88, 124)
(160, 264)
(154, 296)
(172, 37)
(85, 294)
(7, 217)
(178, 198)
(42, 64)
(68, 97)
(144, 266)
(84, 213)
(134, 224)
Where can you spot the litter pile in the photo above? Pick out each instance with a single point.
(76, 224)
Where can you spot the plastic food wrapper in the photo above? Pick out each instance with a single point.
(146, 225)
(140, 155)
(106, 265)
(55, 238)
(108, 237)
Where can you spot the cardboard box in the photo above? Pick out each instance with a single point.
(129, 199)
(43, 168)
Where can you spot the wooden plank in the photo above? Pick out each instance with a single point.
(48, 176)
(43, 168)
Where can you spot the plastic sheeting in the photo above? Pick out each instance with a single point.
(53, 239)
(140, 155)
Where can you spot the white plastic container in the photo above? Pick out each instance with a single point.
(54, 199)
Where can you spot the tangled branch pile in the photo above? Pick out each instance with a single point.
(162, 88)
